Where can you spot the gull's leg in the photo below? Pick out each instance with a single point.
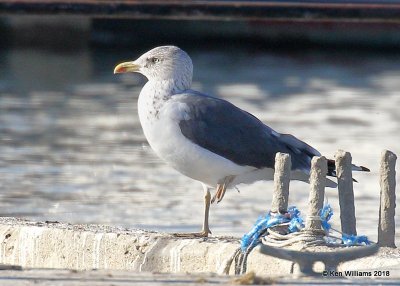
(221, 189)
(207, 202)
(205, 229)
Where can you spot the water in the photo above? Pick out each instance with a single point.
(72, 149)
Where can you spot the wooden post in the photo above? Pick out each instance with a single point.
(346, 193)
(319, 168)
(386, 228)
(280, 196)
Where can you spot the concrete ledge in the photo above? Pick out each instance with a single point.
(57, 277)
(84, 247)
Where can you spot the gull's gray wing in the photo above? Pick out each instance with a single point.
(224, 129)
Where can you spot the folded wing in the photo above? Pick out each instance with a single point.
(235, 134)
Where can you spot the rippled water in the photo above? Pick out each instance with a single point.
(71, 147)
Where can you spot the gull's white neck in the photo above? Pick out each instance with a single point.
(153, 96)
(163, 88)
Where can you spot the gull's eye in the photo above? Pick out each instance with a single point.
(155, 60)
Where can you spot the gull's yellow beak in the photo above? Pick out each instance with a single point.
(126, 67)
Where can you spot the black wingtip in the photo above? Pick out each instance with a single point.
(365, 169)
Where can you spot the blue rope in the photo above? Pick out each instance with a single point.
(295, 224)
(296, 221)
(350, 239)
(325, 214)
(252, 238)
(347, 239)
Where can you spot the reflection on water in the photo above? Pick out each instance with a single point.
(71, 147)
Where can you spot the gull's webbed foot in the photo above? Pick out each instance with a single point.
(203, 233)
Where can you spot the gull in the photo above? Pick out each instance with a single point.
(206, 138)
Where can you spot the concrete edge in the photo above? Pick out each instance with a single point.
(84, 247)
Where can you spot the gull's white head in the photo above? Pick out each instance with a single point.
(162, 63)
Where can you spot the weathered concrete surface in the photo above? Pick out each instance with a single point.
(317, 192)
(387, 208)
(280, 197)
(346, 193)
(104, 277)
(56, 277)
(85, 247)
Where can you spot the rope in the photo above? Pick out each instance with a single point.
(282, 230)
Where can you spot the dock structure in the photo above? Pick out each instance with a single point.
(366, 11)
(27, 244)
(344, 167)
(272, 24)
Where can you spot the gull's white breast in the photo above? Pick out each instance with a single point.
(165, 137)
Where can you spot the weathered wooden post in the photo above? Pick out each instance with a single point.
(280, 196)
(346, 193)
(386, 228)
(318, 173)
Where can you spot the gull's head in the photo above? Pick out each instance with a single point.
(162, 63)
